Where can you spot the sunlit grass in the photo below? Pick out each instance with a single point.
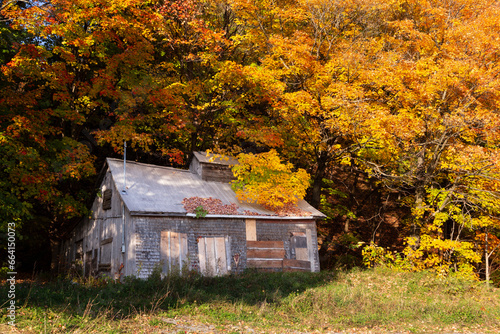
(378, 300)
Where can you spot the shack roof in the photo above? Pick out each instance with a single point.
(159, 190)
(215, 159)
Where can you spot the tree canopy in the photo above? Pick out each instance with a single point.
(392, 107)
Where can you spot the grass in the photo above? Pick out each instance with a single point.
(360, 301)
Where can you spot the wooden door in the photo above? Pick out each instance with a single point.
(212, 256)
(173, 251)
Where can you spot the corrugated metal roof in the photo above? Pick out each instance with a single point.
(158, 190)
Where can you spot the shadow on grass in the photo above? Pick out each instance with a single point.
(133, 295)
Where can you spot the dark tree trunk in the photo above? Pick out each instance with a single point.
(55, 247)
(318, 181)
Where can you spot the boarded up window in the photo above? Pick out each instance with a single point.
(173, 251)
(88, 263)
(106, 199)
(105, 260)
(78, 263)
(212, 253)
(298, 243)
(79, 251)
(270, 256)
(265, 255)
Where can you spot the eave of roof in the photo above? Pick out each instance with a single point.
(192, 215)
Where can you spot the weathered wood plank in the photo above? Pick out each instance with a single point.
(213, 256)
(104, 267)
(174, 248)
(183, 247)
(216, 173)
(202, 255)
(165, 250)
(293, 270)
(220, 256)
(106, 241)
(302, 254)
(106, 199)
(265, 253)
(265, 244)
(277, 264)
(210, 257)
(289, 264)
(106, 255)
(251, 229)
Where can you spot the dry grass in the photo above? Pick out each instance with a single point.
(370, 301)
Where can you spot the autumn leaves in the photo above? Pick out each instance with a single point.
(406, 92)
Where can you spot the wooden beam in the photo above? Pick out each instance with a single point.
(259, 264)
(256, 253)
(296, 265)
(265, 244)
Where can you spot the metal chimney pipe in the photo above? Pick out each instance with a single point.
(124, 190)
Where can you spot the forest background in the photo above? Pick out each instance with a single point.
(392, 107)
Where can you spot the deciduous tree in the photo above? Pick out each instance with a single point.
(265, 180)
(437, 79)
(80, 63)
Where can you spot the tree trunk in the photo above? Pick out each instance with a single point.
(318, 182)
(419, 205)
(487, 259)
(420, 183)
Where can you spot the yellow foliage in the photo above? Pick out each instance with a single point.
(442, 256)
(264, 179)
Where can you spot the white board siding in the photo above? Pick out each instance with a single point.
(173, 251)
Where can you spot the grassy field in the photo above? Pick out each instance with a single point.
(358, 301)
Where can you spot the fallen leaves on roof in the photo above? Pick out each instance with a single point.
(214, 206)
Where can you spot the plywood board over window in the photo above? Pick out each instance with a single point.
(265, 255)
(173, 251)
(299, 243)
(106, 255)
(213, 256)
(90, 262)
(79, 251)
(106, 199)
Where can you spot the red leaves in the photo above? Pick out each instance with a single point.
(290, 210)
(175, 156)
(181, 10)
(213, 206)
